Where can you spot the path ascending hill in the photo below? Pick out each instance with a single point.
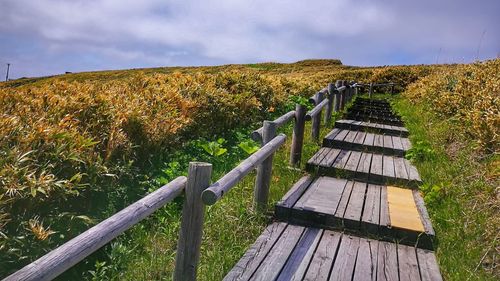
(357, 216)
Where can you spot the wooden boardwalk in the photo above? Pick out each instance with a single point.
(357, 216)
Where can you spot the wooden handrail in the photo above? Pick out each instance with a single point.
(280, 121)
(70, 253)
(316, 110)
(215, 192)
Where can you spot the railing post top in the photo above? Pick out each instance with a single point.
(199, 164)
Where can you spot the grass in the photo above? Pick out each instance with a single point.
(460, 189)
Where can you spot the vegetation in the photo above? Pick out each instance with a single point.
(76, 148)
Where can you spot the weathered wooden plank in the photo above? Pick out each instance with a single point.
(397, 144)
(378, 140)
(402, 209)
(376, 165)
(333, 133)
(330, 158)
(364, 163)
(323, 258)
(366, 261)
(371, 210)
(353, 161)
(343, 266)
(387, 262)
(341, 159)
(429, 268)
(369, 139)
(408, 265)
(344, 200)
(400, 168)
(318, 156)
(412, 171)
(406, 143)
(360, 138)
(277, 257)
(351, 136)
(388, 166)
(341, 135)
(251, 260)
(385, 220)
(424, 216)
(355, 206)
(282, 208)
(388, 142)
(298, 261)
(325, 197)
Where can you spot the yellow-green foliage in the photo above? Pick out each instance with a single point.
(469, 93)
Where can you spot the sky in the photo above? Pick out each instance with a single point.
(46, 37)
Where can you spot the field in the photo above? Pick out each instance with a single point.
(76, 148)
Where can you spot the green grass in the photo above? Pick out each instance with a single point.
(147, 252)
(459, 189)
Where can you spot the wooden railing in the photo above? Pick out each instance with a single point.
(199, 192)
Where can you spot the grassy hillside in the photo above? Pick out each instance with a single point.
(78, 147)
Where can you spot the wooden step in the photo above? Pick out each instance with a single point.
(289, 252)
(371, 127)
(368, 142)
(364, 166)
(385, 212)
(374, 119)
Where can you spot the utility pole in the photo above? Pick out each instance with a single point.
(7, 76)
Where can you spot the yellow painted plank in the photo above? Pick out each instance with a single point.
(403, 211)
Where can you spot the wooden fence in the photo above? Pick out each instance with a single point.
(199, 192)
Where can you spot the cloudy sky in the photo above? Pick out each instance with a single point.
(43, 37)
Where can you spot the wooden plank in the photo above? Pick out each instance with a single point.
(360, 138)
(325, 197)
(296, 191)
(406, 143)
(298, 261)
(388, 166)
(408, 265)
(318, 156)
(343, 266)
(387, 262)
(364, 163)
(333, 133)
(344, 200)
(388, 142)
(330, 157)
(402, 209)
(353, 161)
(355, 207)
(369, 139)
(247, 265)
(429, 268)
(277, 257)
(341, 135)
(342, 159)
(351, 136)
(323, 258)
(371, 210)
(400, 168)
(376, 165)
(385, 220)
(398, 145)
(412, 171)
(424, 216)
(366, 261)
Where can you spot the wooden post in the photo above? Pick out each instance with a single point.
(392, 89)
(264, 170)
(193, 212)
(371, 90)
(356, 91)
(316, 120)
(329, 107)
(298, 135)
(343, 96)
(336, 108)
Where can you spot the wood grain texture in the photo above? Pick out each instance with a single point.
(402, 209)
